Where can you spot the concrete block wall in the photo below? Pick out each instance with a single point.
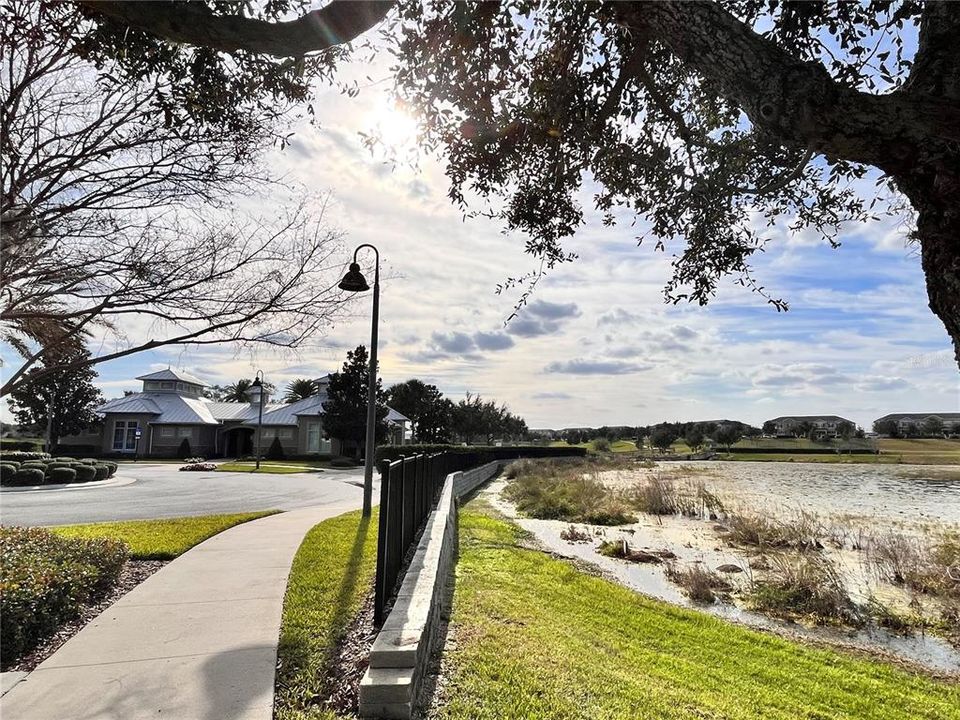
(401, 651)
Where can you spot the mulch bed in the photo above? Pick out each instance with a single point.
(349, 662)
(133, 573)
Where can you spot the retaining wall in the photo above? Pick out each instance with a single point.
(401, 651)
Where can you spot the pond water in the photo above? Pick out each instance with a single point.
(908, 494)
(909, 498)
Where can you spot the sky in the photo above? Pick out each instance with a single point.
(596, 345)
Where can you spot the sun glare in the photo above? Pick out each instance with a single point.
(396, 128)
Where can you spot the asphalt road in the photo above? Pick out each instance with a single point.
(162, 491)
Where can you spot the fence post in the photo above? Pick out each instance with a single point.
(409, 506)
(380, 589)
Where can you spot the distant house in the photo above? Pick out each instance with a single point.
(171, 408)
(904, 421)
(823, 426)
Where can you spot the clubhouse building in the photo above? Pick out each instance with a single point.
(171, 408)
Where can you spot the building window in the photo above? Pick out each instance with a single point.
(167, 431)
(185, 432)
(285, 434)
(166, 386)
(151, 385)
(269, 432)
(125, 435)
(315, 441)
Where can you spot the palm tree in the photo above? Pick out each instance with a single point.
(300, 389)
(237, 392)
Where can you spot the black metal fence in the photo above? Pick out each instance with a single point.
(409, 489)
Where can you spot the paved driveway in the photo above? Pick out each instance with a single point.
(163, 491)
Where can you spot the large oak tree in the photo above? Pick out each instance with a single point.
(703, 120)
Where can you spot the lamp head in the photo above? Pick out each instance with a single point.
(354, 281)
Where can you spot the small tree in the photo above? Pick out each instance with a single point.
(769, 428)
(932, 427)
(846, 430)
(890, 428)
(276, 450)
(345, 411)
(184, 451)
(694, 438)
(663, 436)
(728, 436)
(63, 401)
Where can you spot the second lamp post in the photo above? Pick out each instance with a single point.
(354, 281)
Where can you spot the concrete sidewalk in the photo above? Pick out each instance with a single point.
(195, 641)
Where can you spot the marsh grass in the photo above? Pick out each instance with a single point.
(699, 583)
(805, 585)
(568, 490)
(661, 494)
(923, 566)
(802, 531)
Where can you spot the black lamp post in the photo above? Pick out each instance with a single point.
(354, 281)
(258, 383)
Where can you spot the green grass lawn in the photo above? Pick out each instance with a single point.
(160, 539)
(617, 446)
(332, 572)
(277, 467)
(536, 638)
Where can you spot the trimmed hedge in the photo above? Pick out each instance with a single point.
(86, 473)
(21, 445)
(28, 476)
(60, 475)
(24, 456)
(7, 471)
(509, 452)
(45, 580)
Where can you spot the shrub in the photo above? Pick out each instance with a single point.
(24, 456)
(44, 581)
(86, 473)
(276, 450)
(183, 452)
(7, 471)
(62, 475)
(65, 459)
(194, 460)
(601, 445)
(87, 461)
(102, 471)
(111, 466)
(199, 466)
(28, 476)
(15, 445)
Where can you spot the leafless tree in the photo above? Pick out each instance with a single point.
(121, 219)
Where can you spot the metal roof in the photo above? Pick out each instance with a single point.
(170, 408)
(287, 413)
(137, 403)
(395, 417)
(170, 374)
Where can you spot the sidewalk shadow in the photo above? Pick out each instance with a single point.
(238, 679)
(348, 586)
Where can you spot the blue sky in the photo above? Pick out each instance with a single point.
(596, 345)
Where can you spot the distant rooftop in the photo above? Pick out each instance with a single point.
(170, 374)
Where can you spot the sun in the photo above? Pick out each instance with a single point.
(396, 128)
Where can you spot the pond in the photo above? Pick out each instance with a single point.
(912, 499)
